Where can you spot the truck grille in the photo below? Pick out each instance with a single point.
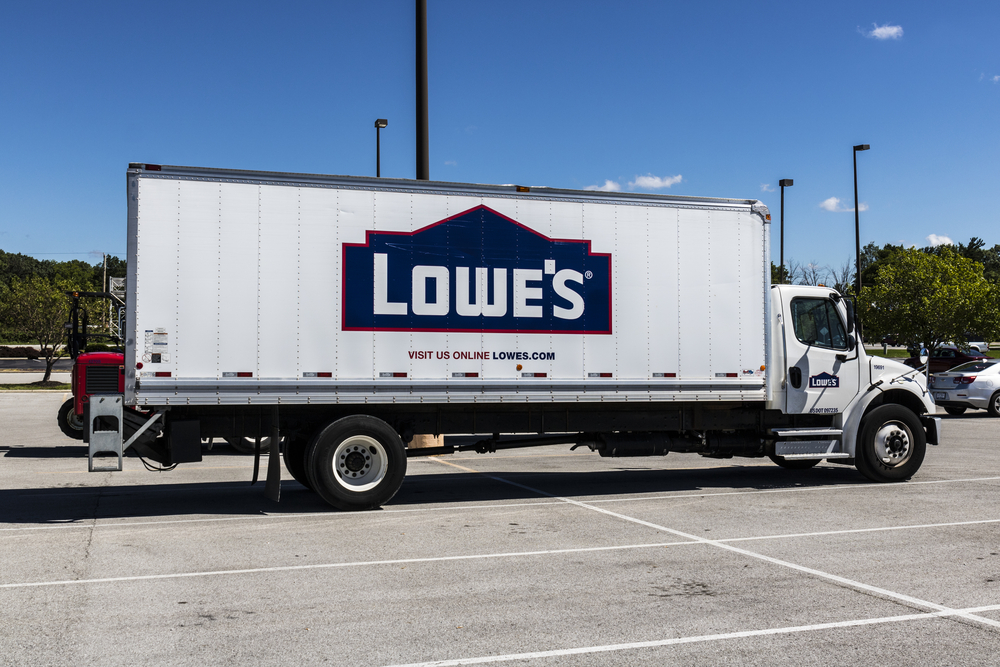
(102, 379)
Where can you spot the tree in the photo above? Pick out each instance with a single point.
(36, 309)
(779, 275)
(930, 299)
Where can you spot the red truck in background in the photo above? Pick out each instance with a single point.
(93, 373)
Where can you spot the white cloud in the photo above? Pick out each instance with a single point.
(833, 205)
(609, 186)
(936, 240)
(766, 187)
(995, 79)
(651, 182)
(884, 31)
(451, 163)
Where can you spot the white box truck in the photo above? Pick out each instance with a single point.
(344, 315)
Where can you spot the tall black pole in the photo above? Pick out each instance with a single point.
(857, 225)
(423, 151)
(782, 232)
(378, 152)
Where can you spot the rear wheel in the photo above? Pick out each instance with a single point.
(994, 406)
(892, 444)
(793, 464)
(356, 463)
(955, 411)
(70, 423)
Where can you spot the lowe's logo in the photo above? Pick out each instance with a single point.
(476, 271)
(824, 380)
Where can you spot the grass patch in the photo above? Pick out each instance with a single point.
(62, 386)
(891, 354)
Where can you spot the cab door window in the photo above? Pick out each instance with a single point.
(817, 323)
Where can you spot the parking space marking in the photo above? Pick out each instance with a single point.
(331, 566)
(674, 641)
(844, 581)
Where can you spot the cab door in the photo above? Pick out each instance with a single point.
(823, 370)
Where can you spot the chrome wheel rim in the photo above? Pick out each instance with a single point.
(360, 463)
(893, 444)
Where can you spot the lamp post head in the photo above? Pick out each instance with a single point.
(381, 123)
(786, 182)
(862, 147)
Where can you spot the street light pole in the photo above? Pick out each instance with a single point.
(785, 182)
(423, 151)
(857, 221)
(379, 124)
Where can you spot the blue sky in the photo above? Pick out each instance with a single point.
(710, 98)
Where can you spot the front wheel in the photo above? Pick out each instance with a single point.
(70, 423)
(994, 406)
(356, 463)
(955, 411)
(892, 444)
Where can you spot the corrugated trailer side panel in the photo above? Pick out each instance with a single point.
(237, 276)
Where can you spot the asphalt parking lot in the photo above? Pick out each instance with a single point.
(526, 557)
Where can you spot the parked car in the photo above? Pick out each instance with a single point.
(945, 358)
(973, 385)
(977, 343)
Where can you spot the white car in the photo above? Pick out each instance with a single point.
(975, 385)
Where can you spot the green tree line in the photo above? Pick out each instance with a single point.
(34, 307)
(928, 296)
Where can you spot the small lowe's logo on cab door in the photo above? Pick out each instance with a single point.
(476, 271)
(824, 380)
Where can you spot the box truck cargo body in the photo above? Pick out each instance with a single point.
(332, 310)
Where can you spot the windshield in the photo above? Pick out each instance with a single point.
(974, 366)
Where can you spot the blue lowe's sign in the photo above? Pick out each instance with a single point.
(824, 381)
(476, 271)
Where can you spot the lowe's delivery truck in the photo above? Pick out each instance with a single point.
(345, 315)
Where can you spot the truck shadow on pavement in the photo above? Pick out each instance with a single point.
(67, 505)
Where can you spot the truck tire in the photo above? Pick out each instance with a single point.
(955, 411)
(892, 444)
(70, 423)
(994, 407)
(294, 452)
(356, 463)
(249, 445)
(794, 464)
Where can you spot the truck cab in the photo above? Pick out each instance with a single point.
(819, 367)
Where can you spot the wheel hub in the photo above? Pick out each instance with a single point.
(360, 462)
(892, 444)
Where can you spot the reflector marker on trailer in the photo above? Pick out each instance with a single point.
(465, 375)
(237, 374)
(664, 375)
(162, 374)
(392, 375)
(534, 375)
(726, 375)
(599, 375)
(318, 374)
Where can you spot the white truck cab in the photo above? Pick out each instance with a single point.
(881, 414)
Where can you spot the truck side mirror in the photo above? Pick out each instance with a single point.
(850, 317)
(852, 343)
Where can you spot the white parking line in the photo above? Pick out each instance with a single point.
(535, 655)
(330, 566)
(509, 554)
(857, 585)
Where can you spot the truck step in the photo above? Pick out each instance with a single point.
(809, 449)
(806, 432)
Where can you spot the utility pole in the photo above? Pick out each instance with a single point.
(423, 149)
